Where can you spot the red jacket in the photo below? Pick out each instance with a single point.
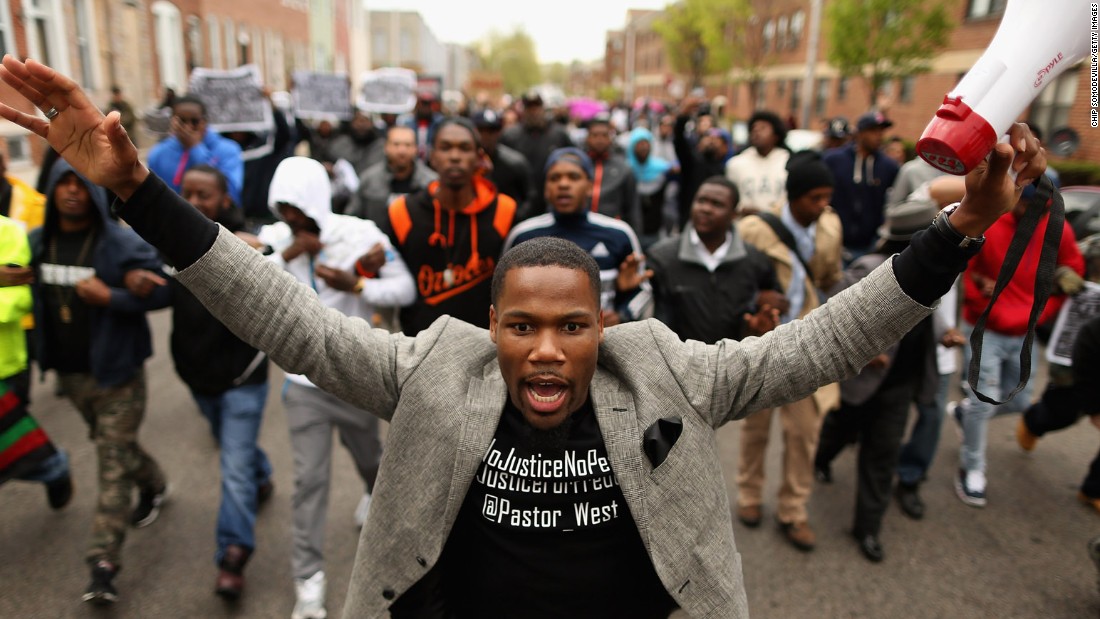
(1010, 314)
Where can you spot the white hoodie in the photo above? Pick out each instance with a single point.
(303, 182)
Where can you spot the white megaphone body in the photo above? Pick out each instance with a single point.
(1035, 42)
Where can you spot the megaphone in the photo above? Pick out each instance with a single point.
(1035, 43)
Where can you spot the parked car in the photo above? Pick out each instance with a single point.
(1082, 209)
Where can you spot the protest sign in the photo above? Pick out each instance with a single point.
(234, 98)
(388, 91)
(1077, 310)
(320, 96)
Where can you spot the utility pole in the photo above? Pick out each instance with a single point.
(809, 86)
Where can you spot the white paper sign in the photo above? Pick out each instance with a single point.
(234, 98)
(388, 91)
(322, 95)
(1077, 310)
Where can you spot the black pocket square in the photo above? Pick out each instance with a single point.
(658, 439)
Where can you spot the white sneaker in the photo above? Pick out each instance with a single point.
(311, 598)
(362, 510)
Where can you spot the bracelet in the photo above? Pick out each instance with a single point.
(363, 272)
(947, 231)
(359, 285)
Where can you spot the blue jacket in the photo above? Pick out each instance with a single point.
(120, 338)
(214, 150)
(860, 206)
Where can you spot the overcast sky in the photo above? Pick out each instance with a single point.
(563, 30)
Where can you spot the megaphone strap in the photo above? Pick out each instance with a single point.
(1044, 280)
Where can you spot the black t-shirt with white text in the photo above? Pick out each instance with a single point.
(68, 335)
(545, 531)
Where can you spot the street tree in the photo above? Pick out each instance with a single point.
(513, 56)
(883, 40)
(708, 37)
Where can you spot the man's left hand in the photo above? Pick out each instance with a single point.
(336, 278)
(374, 259)
(141, 282)
(630, 276)
(93, 292)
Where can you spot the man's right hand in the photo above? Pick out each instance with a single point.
(142, 282)
(304, 243)
(188, 135)
(95, 145)
(16, 276)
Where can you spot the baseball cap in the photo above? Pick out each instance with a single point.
(838, 128)
(873, 120)
(532, 97)
(488, 119)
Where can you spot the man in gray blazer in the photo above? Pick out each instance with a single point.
(546, 467)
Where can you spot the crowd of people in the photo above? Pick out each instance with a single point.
(402, 220)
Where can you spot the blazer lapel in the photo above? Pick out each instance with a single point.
(485, 399)
(619, 425)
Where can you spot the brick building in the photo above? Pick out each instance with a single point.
(783, 29)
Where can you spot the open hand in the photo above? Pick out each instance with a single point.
(95, 145)
(630, 275)
(16, 276)
(337, 278)
(990, 190)
(764, 320)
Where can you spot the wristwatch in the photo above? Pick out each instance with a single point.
(947, 231)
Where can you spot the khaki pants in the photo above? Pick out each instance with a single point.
(113, 416)
(801, 423)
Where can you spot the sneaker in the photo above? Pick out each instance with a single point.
(59, 492)
(909, 500)
(362, 510)
(1024, 436)
(311, 598)
(970, 487)
(799, 534)
(148, 507)
(750, 515)
(101, 591)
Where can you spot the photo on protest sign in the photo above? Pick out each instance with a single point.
(234, 98)
(322, 96)
(1077, 310)
(388, 91)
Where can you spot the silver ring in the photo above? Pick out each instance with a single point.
(52, 113)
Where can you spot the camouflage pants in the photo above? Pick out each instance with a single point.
(113, 416)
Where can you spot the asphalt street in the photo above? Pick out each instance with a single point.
(1023, 556)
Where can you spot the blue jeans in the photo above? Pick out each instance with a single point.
(235, 418)
(1000, 371)
(52, 469)
(916, 454)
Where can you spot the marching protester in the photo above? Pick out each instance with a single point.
(704, 158)
(509, 169)
(803, 243)
(325, 252)
(400, 174)
(190, 143)
(451, 529)
(535, 138)
(709, 284)
(92, 331)
(760, 171)
(451, 233)
(361, 144)
(651, 173)
(624, 293)
(614, 188)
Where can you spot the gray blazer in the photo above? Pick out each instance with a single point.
(443, 394)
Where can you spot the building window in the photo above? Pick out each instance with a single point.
(781, 34)
(406, 46)
(194, 41)
(381, 47)
(230, 44)
(19, 149)
(45, 34)
(84, 37)
(1050, 111)
(905, 90)
(169, 42)
(7, 40)
(761, 95)
(985, 8)
(798, 22)
(780, 88)
(769, 34)
(215, 42)
(822, 97)
(796, 96)
(841, 88)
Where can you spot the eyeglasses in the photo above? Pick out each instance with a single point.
(193, 121)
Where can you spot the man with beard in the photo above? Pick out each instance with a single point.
(535, 138)
(361, 146)
(452, 232)
(705, 159)
(628, 515)
(614, 188)
(400, 174)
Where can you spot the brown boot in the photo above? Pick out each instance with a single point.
(750, 515)
(230, 583)
(799, 534)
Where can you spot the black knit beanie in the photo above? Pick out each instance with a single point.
(806, 172)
